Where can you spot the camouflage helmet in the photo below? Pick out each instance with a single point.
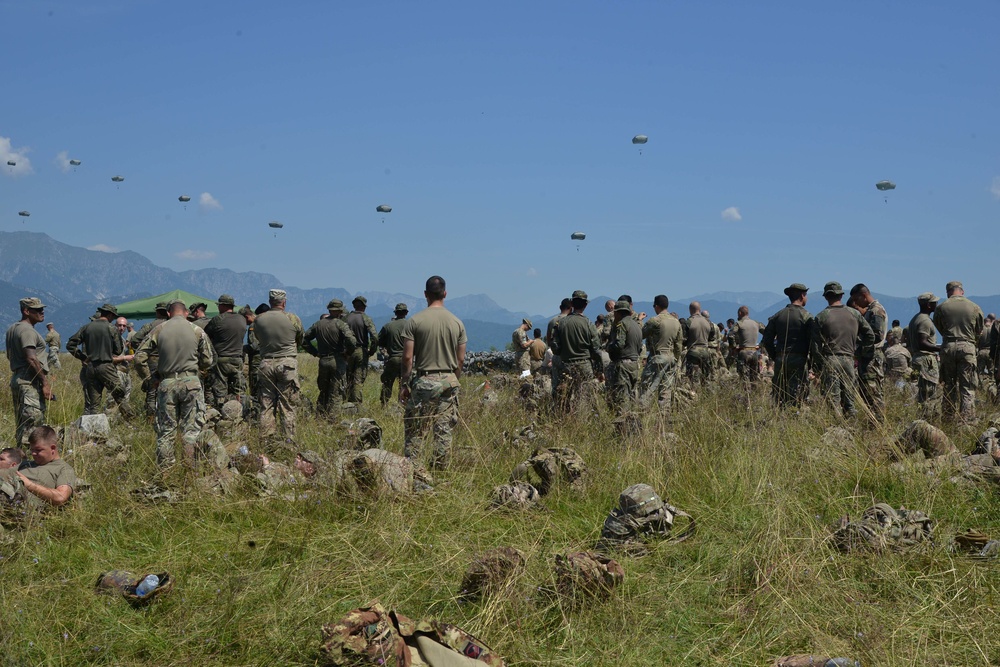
(639, 500)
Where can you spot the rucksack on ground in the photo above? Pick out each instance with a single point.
(883, 528)
(641, 515)
(549, 466)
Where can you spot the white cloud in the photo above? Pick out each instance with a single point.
(532, 272)
(995, 188)
(62, 161)
(732, 214)
(195, 255)
(209, 203)
(18, 155)
(101, 247)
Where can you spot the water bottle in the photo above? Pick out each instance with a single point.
(147, 585)
(842, 662)
(243, 450)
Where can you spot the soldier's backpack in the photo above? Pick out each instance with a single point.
(881, 527)
(379, 472)
(373, 636)
(641, 515)
(551, 465)
(515, 496)
(924, 437)
(124, 583)
(491, 572)
(587, 574)
(363, 433)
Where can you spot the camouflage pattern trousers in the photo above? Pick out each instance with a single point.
(390, 373)
(700, 364)
(622, 384)
(839, 381)
(29, 405)
(928, 376)
(331, 382)
(357, 373)
(657, 382)
(871, 382)
(432, 408)
(225, 382)
(748, 364)
(522, 362)
(180, 403)
(959, 377)
(279, 392)
(788, 386)
(54, 363)
(576, 391)
(98, 378)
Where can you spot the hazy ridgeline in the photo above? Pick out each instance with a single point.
(257, 577)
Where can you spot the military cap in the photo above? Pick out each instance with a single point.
(528, 322)
(49, 324)
(335, 304)
(310, 456)
(795, 287)
(226, 300)
(953, 285)
(927, 297)
(246, 311)
(32, 302)
(833, 287)
(108, 308)
(196, 305)
(580, 294)
(401, 308)
(170, 304)
(162, 305)
(360, 299)
(623, 305)
(277, 295)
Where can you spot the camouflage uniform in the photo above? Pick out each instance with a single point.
(924, 362)
(334, 343)
(137, 340)
(252, 351)
(745, 335)
(960, 323)
(624, 348)
(701, 339)
(897, 363)
(871, 372)
(390, 339)
(54, 341)
(786, 340)
(519, 339)
(577, 343)
(838, 332)
(664, 342)
(25, 387)
(280, 334)
(366, 334)
(550, 335)
(226, 380)
(95, 344)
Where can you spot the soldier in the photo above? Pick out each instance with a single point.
(29, 369)
(624, 348)
(786, 340)
(98, 345)
(183, 350)
(744, 337)
(280, 334)
(434, 343)
(196, 314)
(838, 334)
(390, 339)
(54, 341)
(226, 330)
(607, 323)
(334, 344)
(366, 334)
(140, 336)
(519, 339)
(960, 323)
(252, 350)
(897, 331)
(871, 373)
(897, 359)
(123, 363)
(984, 359)
(129, 337)
(921, 339)
(48, 480)
(565, 308)
(700, 341)
(578, 345)
(664, 342)
(536, 352)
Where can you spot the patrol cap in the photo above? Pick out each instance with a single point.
(108, 308)
(32, 302)
(360, 299)
(528, 322)
(401, 308)
(927, 297)
(795, 287)
(953, 285)
(833, 287)
(196, 305)
(623, 305)
(277, 295)
(162, 305)
(226, 300)
(580, 294)
(335, 304)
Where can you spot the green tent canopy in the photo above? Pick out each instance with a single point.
(145, 309)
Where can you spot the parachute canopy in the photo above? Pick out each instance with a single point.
(184, 198)
(75, 163)
(383, 208)
(11, 163)
(117, 179)
(885, 185)
(640, 139)
(24, 214)
(578, 236)
(275, 225)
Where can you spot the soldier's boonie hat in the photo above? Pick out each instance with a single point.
(162, 305)
(528, 322)
(833, 287)
(927, 297)
(196, 305)
(108, 308)
(954, 284)
(360, 299)
(277, 295)
(401, 308)
(32, 302)
(335, 304)
(795, 287)
(580, 294)
(226, 300)
(170, 304)
(622, 305)
(310, 456)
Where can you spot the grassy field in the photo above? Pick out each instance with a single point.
(256, 578)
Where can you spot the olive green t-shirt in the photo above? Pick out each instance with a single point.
(436, 335)
(52, 475)
(19, 336)
(279, 334)
(958, 319)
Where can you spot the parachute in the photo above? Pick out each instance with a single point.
(184, 199)
(75, 163)
(639, 140)
(11, 163)
(24, 214)
(383, 208)
(885, 186)
(275, 225)
(577, 236)
(117, 179)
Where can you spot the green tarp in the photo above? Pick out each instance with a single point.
(145, 309)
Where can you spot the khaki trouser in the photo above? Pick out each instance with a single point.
(29, 404)
(958, 374)
(432, 408)
(180, 403)
(279, 392)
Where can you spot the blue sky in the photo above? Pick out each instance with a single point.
(495, 130)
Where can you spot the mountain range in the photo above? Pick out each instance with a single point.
(72, 281)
